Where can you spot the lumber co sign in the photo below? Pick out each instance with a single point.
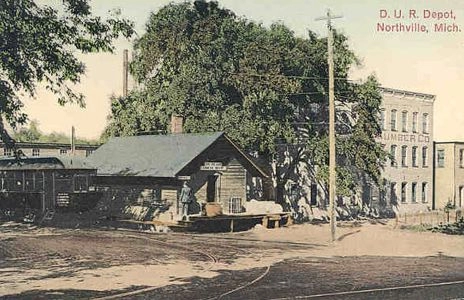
(212, 166)
(412, 138)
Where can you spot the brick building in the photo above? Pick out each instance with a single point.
(407, 123)
(49, 149)
(449, 174)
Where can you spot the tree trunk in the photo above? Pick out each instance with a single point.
(280, 195)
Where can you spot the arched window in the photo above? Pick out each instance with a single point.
(393, 155)
(393, 120)
(425, 123)
(404, 121)
(414, 122)
(424, 156)
(404, 153)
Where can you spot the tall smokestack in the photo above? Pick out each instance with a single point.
(125, 72)
(73, 138)
(176, 124)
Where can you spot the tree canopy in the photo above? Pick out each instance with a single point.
(264, 86)
(38, 45)
(32, 133)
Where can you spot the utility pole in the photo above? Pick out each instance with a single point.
(332, 154)
(125, 72)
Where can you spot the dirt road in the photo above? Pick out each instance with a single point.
(368, 261)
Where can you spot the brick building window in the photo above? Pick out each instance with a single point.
(404, 121)
(414, 122)
(424, 156)
(382, 119)
(35, 152)
(414, 156)
(7, 152)
(393, 155)
(393, 197)
(393, 120)
(404, 185)
(461, 158)
(424, 192)
(425, 123)
(413, 191)
(441, 158)
(404, 153)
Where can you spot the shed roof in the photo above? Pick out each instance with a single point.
(157, 155)
(43, 163)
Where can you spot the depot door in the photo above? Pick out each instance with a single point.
(211, 188)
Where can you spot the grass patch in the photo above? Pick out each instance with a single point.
(417, 227)
(456, 228)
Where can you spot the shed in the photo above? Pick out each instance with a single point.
(46, 184)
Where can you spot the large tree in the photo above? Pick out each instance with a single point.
(38, 45)
(265, 87)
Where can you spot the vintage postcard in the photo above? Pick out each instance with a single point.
(255, 149)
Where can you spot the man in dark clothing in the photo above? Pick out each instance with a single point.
(185, 199)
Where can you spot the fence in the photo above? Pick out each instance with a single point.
(432, 218)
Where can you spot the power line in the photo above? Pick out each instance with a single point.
(293, 76)
(314, 93)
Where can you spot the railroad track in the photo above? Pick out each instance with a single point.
(358, 293)
(212, 258)
(246, 251)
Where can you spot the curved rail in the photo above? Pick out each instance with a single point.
(395, 288)
(213, 258)
(239, 288)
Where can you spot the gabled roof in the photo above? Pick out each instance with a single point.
(156, 155)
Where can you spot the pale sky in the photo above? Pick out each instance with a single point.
(430, 62)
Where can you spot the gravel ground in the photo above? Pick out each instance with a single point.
(289, 263)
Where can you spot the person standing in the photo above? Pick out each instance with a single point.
(185, 199)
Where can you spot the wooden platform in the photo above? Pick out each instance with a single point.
(222, 223)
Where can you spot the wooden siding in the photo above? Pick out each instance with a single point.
(169, 195)
(233, 183)
(220, 151)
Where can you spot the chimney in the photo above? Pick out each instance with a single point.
(176, 124)
(73, 138)
(125, 72)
